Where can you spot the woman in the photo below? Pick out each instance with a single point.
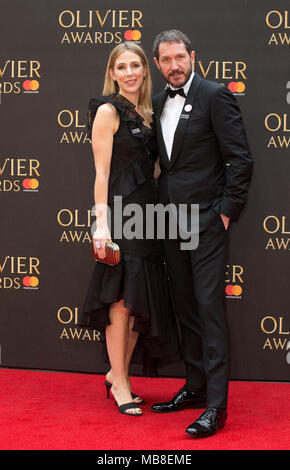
(129, 301)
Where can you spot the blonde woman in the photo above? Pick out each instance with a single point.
(128, 302)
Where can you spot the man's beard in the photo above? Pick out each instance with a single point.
(177, 74)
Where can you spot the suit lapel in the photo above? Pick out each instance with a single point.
(184, 118)
(161, 144)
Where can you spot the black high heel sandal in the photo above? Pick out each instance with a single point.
(127, 406)
(109, 385)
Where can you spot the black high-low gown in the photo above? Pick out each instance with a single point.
(140, 278)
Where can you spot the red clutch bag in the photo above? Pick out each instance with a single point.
(113, 255)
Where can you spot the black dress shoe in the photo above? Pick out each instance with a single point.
(182, 400)
(208, 423)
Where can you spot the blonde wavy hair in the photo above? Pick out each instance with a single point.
(111, 86)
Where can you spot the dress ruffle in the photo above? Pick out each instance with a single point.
(126, 181)
(124, 106)
(150, 306)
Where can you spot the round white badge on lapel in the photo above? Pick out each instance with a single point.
(188, 108)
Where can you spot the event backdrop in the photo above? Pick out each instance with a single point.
(52, 62)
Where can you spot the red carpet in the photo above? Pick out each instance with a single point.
(63, 411)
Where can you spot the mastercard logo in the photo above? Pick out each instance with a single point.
(30, 281)
(132, 35)
(237, 87)
(30, 183)
(31, 85)
(233, 290)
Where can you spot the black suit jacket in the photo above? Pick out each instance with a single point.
(210, 163)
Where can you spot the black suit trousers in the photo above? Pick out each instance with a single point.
(198, 288)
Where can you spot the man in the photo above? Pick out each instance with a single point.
(205, 160)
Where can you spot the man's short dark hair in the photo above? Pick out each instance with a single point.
(172, 35)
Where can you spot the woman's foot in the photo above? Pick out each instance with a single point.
(123, 399)
(134, 397)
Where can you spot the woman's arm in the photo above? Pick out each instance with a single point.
(105, 125)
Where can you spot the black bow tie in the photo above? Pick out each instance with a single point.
(173, 93)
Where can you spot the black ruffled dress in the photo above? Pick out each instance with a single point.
(140, 278)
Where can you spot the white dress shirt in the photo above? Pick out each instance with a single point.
(170, 115)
